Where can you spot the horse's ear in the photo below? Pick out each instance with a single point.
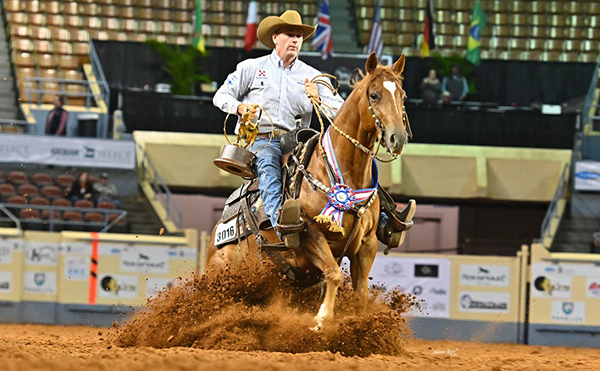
(398, 67)
(371, 63)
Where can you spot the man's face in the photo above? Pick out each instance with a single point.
(288, 42)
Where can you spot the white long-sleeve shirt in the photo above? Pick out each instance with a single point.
(280, 92)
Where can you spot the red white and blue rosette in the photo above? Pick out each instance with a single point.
(341, 197)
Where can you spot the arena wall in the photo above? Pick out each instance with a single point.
(512, 174)
(86, 278)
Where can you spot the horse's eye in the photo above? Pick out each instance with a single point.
(374, 96)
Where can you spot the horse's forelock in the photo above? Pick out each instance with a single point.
(361, 79)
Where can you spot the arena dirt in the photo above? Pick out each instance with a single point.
(259, 311)
(256, 324)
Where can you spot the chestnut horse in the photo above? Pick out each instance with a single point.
(373, 110)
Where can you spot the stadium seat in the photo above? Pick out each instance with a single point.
(62, 202)
(51, 191)
(107, 205)
(94, 217)
(29, 214)
(42, 179)
(46, 214)
(73, 216)
(65, 180)
(84, 204)
(40, 201)
(17, 177)
(23, 59)
(28, 190)
(17, 200)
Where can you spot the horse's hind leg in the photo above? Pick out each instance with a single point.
(320, 255)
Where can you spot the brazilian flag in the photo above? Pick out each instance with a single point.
(478, 22)
(197, 38)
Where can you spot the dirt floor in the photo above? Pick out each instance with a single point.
(27, 347)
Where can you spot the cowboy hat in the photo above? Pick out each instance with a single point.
(271, 24)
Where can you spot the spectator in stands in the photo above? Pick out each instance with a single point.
(106, 191)
(56, 121)
(431, 89)
(82, 189)
(455, 84)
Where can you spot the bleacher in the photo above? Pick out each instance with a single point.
(546, 30)
(225, 21)
(41, 202)
(50, 39)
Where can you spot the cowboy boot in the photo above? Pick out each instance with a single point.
(392, 228)
(290, 223)
(392, 223)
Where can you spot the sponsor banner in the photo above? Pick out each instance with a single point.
(592, 287)
(587, 176)
(551, 281)
(39, 253)
(52, 150)
(5, 282)
(484, 275)
(39, 283)
(144, 259)
(6, 250)
(428, 279)
(118, 286)
(566, 269)
(484, 302)
(568, 311)
(156, 284)
(77, 268)
(75, 248)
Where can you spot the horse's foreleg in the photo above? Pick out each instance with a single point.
(360, 266)
(321, 257)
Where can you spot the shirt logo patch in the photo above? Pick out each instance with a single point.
(262, 73)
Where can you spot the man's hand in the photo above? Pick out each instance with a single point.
(311, 90)
(252, 108)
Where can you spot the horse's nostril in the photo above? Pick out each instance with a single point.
(393, 139)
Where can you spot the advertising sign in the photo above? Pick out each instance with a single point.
(76, 268)
(118, 286)
(5, 282)
(143, 259)
(6, 250)
(39, 283)
(53, 150)
(428, 279)
(568, 311)
(484, 275)
(484, 302)
(156, 284)
(39, 253)
(587, 176)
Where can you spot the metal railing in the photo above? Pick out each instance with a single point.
(52, 222)
(552, 212)
(102, 83)
(149, 173)
(31, 92)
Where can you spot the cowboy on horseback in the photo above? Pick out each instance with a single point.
(280, 84)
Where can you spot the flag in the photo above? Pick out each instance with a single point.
(478, 22)
(428, 42)
(251, 25)
(322, 40)
(376, 39)
(197, 38)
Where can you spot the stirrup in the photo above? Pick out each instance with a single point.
(290, 223)
(394, 232)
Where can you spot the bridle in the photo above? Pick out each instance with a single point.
(378, 124)
(381, 129)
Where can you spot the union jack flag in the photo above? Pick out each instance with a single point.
(322, 40)
(376, 40)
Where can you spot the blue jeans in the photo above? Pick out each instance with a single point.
(268, 169)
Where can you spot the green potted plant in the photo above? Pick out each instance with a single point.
(183, 65)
